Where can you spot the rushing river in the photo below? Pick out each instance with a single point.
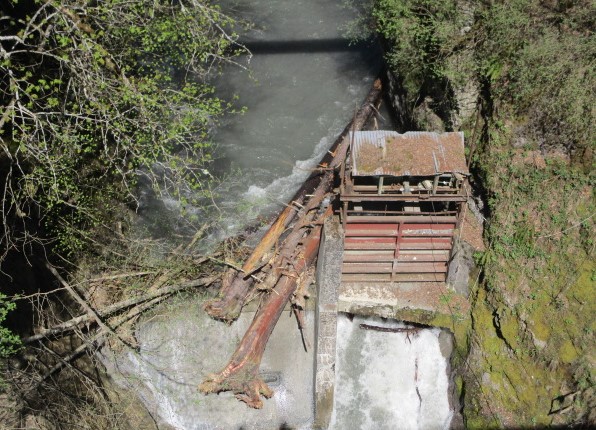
(302, 85)
(390, 380)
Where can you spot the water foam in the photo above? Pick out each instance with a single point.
(282, 189)
(389, 380)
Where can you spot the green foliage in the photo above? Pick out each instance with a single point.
(362, 27)
(97, 95)
(539, 58)
(421, 34)
(9, 342)
(535, 57)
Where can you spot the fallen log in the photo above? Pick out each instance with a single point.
(409, 330)
(236, 286)
(241, 375)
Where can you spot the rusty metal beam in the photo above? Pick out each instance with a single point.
(410, 219)
(376, 243)
(399, 277)
(388, 267)
(402, 257)
(403, 198)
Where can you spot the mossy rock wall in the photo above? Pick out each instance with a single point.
(530, 144)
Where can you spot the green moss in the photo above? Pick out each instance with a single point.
(517, 381)
(510, 330)
(567, 352)
(475, 421)
(583, 289)
(540, 330)
(459, 384)
(482, 317)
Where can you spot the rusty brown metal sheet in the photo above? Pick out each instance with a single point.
(418, 230)
(396, 277)
(406, 251)
(345, 197)
(432, 267)
(402, 257)
(386, 225)
(408, 219)
(367, 243)
(389, 153)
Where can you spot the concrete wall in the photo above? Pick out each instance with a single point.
(328, 281)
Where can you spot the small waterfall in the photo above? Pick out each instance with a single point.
(389, 380)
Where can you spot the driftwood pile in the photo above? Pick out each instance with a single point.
(279, 265)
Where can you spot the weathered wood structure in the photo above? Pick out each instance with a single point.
(401, 199)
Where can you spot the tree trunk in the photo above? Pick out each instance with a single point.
(241, 375)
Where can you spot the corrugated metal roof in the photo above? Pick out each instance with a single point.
(415, 153)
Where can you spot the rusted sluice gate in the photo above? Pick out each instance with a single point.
(401, 201)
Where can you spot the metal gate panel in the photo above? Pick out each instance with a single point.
(363, 256)
(396, 277)
(412, 249)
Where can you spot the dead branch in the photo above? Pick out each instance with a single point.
(408, 330)
(99, 338)
(120, 276)
(83, 303)
(162, 293)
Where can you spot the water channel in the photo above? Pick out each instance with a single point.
(303, 85)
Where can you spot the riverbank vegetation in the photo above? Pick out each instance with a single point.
(518, 78)
(96, 97)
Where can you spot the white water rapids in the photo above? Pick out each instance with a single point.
(389, 380)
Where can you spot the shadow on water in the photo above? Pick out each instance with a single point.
(305, 46)
(268, 89)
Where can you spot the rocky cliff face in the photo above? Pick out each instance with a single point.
(530, 354)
